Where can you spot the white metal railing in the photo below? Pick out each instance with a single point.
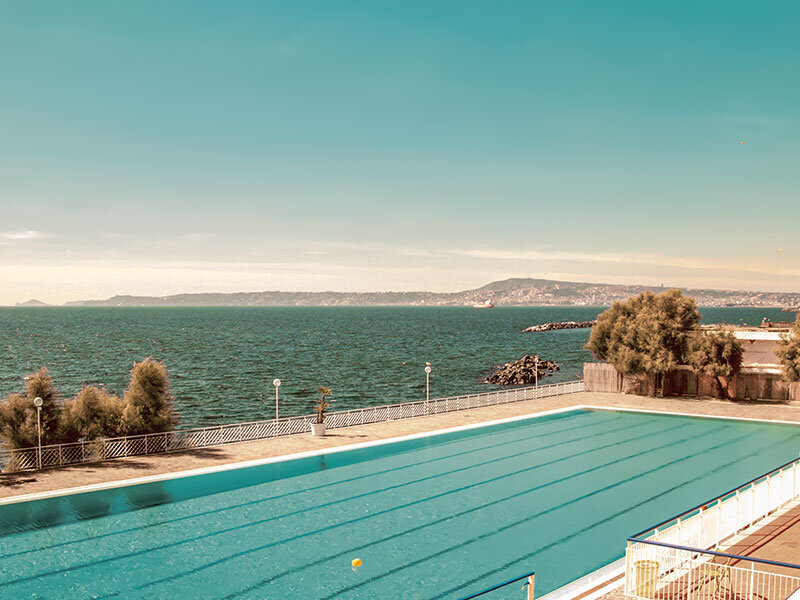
(675, 559)
(20, 459)
(672, 573)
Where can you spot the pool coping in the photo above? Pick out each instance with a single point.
(272, 459)
(348, 447)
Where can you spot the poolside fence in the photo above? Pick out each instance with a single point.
(21, 459)
(679, 558)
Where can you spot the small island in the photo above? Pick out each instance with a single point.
(32, 303)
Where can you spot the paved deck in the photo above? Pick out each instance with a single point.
(778, 539)
(127, 468)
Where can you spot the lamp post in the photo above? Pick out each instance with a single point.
(37, 402)
(427, 387)
(277, 383)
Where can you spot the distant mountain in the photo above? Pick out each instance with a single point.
(509, 292)
(32, 303)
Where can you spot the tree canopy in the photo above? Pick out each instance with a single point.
(788, 352)
(18, 414)
(715, 353)
(148, 399)
(645, 334)
(94, 413)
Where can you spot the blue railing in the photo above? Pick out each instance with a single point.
(528, 576)
(638, 537)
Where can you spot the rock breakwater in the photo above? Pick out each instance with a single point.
(522, 371)
(560, 325)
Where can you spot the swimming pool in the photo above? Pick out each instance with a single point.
(433, 517)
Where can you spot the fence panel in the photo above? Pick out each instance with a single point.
(658, 572)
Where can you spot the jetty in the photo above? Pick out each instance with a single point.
(560, 325)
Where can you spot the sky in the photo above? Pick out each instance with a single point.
(160, 147)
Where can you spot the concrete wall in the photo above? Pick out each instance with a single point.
(603, 377)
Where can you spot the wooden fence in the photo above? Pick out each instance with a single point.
(749, 384)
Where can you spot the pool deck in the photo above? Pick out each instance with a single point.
(127, 468)
(775, 538)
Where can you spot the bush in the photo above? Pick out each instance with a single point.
(148, 402)
(18, 413)
(716, 353)
(92, 414)
(788, 352)
(645, 334)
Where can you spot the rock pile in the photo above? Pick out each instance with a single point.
(561, 325)
(522, 371)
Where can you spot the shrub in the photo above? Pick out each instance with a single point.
(92, 414)
(788, 352)
(716, 353)
(18, 413)
(645, 334)
(148, 402)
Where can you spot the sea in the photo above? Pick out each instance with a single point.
(222, 360)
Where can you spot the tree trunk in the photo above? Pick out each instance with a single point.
(721, 392)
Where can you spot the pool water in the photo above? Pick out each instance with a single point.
(435, 517)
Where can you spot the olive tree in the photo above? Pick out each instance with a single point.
(788, 352)
(645, 334)
(718, 354)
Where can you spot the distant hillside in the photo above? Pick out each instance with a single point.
(510, 292)
(32, 303)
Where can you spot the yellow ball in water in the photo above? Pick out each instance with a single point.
(356, 562)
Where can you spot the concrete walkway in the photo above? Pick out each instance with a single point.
(140, 466)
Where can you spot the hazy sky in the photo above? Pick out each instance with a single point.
(172, 146)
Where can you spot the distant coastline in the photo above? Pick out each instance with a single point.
(509, 292)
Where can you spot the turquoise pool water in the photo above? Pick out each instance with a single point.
(436, 517)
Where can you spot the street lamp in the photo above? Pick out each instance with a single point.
(427, 386)
(37, 402)
(277, 383)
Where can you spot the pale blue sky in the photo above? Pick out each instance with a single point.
(161, 147)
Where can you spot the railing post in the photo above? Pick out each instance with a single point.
(738, 516)
(60, 454)
(700, 537)
(769, 495)
(752, 577)
(530, 586)
(628, 569)
(146, 450)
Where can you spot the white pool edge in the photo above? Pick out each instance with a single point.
(272, 459)
(324, 451)
(592, 585)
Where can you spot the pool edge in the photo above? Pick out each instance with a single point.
(273, 459)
